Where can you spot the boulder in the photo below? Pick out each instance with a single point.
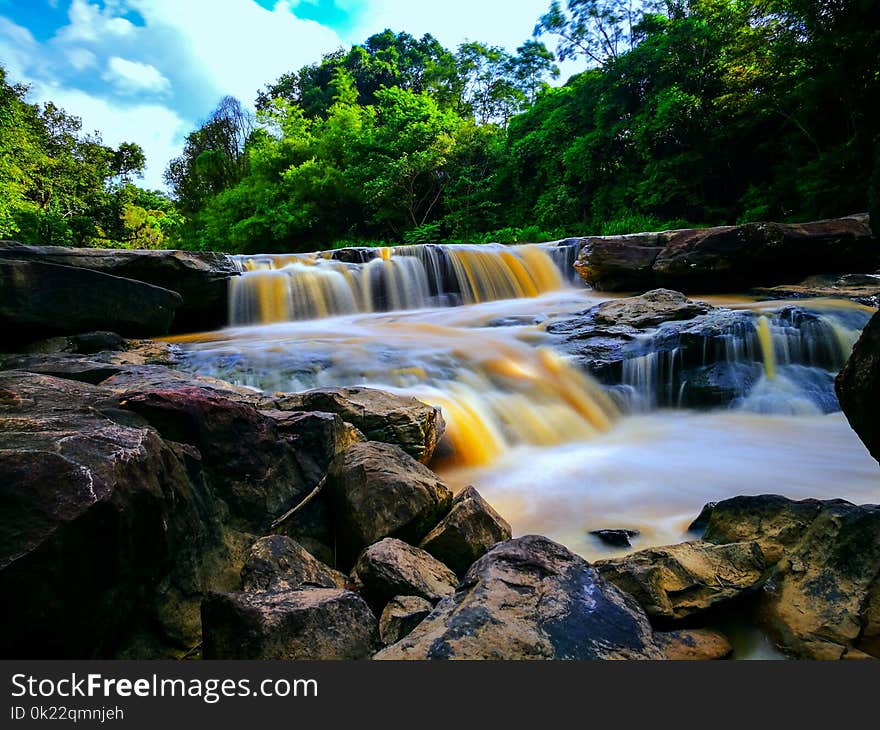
(276, 563)
(377, 490)
(683, 580)
(691, 644)
(467, 533)
(822, 600)
(406, 422)
(401, 616)
(531, 598)
(860, 288)
(390, 568)
(616, 537)
(40, 299)
(858, 386)
(107, 532)
(728, 257)
(776, 523)
(200, 278)
(649, 309)
(312, 623)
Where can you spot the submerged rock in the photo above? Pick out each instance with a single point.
(616, 537)
(312, 623)
(691, 644)
(406, 422)
(377, 491)
(467, 533)
(401, 616)
(858, 387)
(276, 562)
(678, 581)
(391, 567)
(531, 598)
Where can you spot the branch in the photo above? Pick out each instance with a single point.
(293, 510)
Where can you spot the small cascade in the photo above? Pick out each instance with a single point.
(310, 286)
(777, 362)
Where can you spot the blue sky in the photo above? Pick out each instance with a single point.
(148, 71)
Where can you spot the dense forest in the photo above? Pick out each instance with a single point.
(687, 112)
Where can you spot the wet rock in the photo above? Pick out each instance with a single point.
(376, 491)
(531, 598)
(467, 533)
(406, 422)
(276, 562)
(822, 600)
(649, 309)
(693, 644)
(107, 531)
(776, 523)
(41, 299)
(616, 537)
(619, 263)
(401, 616)
(313, 623)
(858, 386)
(678, 581)
(200, 278)
(390, 568)
(698, 526)
(860, 288)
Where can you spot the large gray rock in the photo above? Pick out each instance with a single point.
(467, 533)
(390, 568)
(531, 598)
(678, 581)
(404, 421)
(200, 278)
(377, 490)
(313, 623)
(649, 309)
(40, 299)
(276, 562)
(858, 386)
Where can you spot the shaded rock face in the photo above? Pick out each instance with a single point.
(860, 288)
(531, 598)
(693, 644)
(377, 490)
(277, 563)
(408, 423)
(727, 258)
(106, 530)
(313, 623)
(678, 581)
(391, 567)
(200, 278)
(822, 600)
(39, 299)
(714, 359)
(401, 616)
(467, 533)
(858, 386)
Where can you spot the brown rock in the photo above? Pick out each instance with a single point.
(649, 309)
(467, 533)
(377, 490)
(313, 623)
(678, 581)
(401, 616)
(858, 386)
(277, 563)
(619, 263)
(531, 598)
(690, 644)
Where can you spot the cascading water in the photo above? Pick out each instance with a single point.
(310, 286)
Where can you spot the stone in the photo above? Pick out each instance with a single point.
(858, 386)
(199, 277)
(693, 644)
(649, 309)
(531, 598)
(276, 562)
(678, 581)
(860, 288)
(616, 537)
(40, 299)
(377, 490)
(619, 263)
(391, 567)
(401, 615)
(467, 533)
(406, 422)
(312, 623)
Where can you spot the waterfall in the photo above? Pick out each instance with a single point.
(279, 288)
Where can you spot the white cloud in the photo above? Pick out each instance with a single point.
(81, 58)
(92, 23)
(134, 77)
